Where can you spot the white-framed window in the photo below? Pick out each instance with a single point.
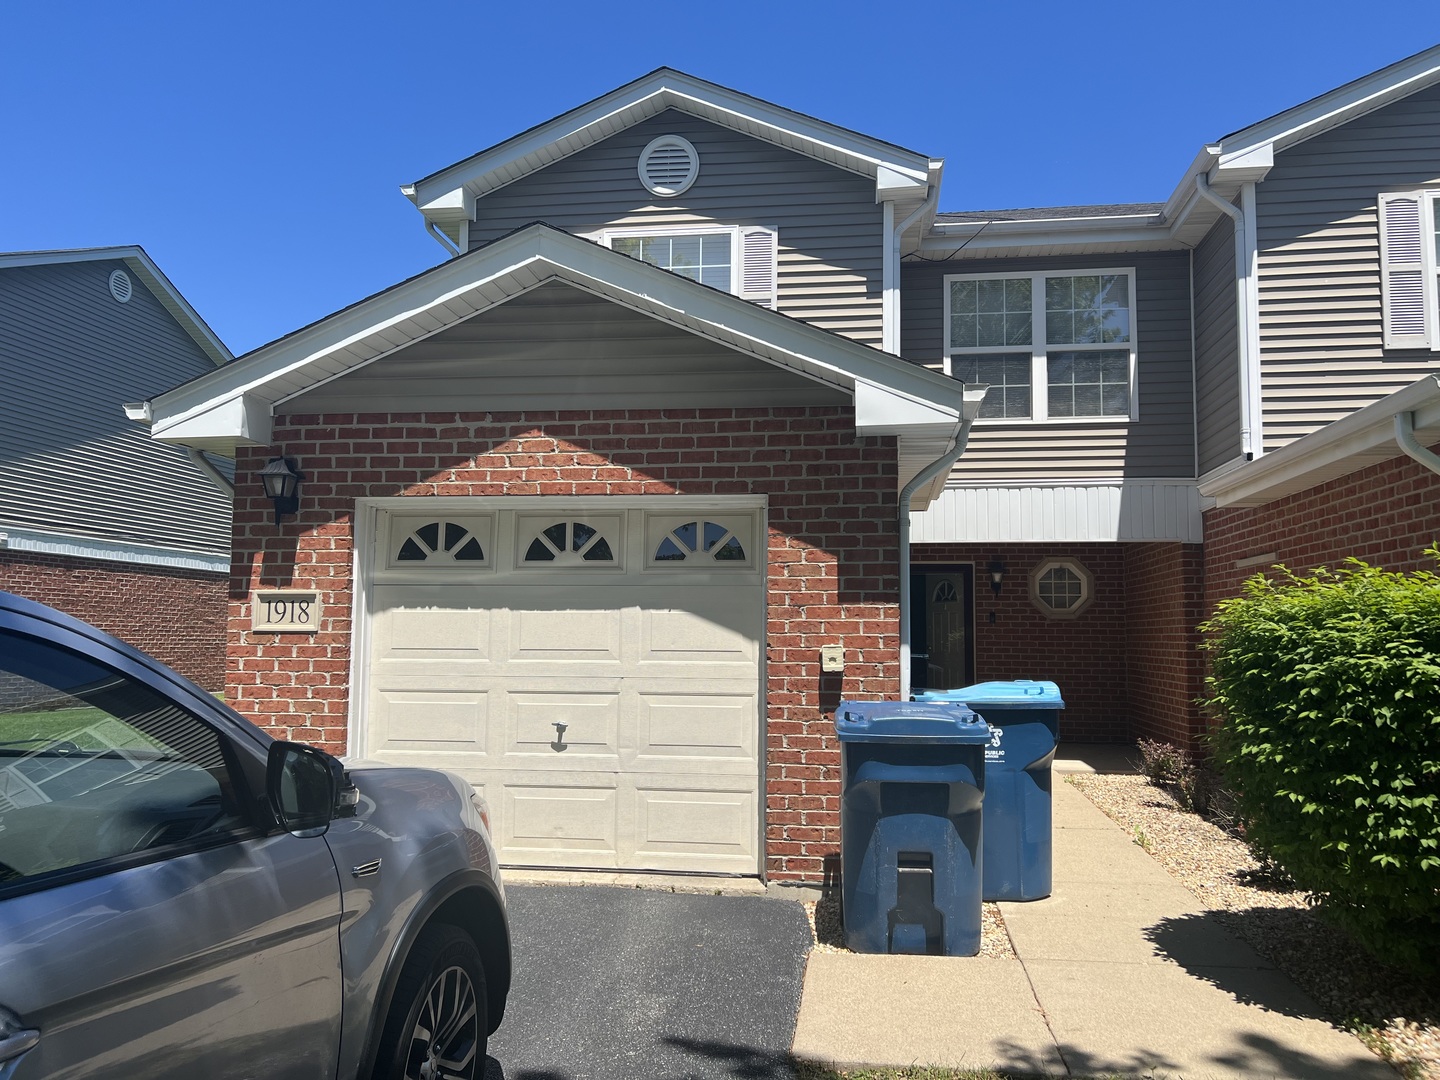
(739, 259)
(1410, 268)
(1061, 588)
(1056, 345)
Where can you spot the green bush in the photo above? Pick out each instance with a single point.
(1327, 692)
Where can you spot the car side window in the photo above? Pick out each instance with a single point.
(97, 767)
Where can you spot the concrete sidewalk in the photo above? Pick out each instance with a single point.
(1121, 970)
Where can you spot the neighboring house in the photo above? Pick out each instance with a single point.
(614, 541)
(96, 518)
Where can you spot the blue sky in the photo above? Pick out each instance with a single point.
(256, 150)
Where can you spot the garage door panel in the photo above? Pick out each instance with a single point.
(591, 726)
(709, 726)
(566, 636)
(674, 635)
(695, 830)
(436, 722)
(417, 633)
(565, 825)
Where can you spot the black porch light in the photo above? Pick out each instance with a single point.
(282, 486)
(997, 575)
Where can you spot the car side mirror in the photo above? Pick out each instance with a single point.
(303, 784)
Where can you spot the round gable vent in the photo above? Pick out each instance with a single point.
(668, 166)
(120, 287)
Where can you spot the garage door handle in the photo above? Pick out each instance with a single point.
(559, 743)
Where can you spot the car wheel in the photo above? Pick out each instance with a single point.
(436, 1026)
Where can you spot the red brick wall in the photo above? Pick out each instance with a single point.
(1164, 593)
(832, 558)
(177, 616)
(1386, 514)
(1084, 656)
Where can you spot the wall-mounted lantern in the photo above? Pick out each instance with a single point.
(997, 575)
(282, 486)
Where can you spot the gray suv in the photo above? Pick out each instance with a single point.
(183, 896)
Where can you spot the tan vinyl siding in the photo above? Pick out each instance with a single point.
(1160, 444)
(1321, 347)
(1217, 377)
(830, 227)
(70, 462)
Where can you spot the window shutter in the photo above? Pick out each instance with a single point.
(1405, 283)
(759, 247)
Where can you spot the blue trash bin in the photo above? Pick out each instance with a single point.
(910, 826)
(1025, 719)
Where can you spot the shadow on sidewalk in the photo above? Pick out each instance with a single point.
(1250, 1055)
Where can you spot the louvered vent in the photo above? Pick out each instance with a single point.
(120, 287)
(668, 166)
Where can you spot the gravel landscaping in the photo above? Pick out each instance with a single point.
(1397, 1015)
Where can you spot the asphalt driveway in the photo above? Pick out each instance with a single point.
(627, 983)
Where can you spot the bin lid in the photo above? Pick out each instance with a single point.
(908, 721)
(1019, 694)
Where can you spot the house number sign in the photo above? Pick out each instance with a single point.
(286, 609)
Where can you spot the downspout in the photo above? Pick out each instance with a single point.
(891, 269)
(216, 476)
(968, 412)
(1405, 439)
(441, 238)
(1242, 313)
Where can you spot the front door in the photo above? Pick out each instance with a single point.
(942, 627)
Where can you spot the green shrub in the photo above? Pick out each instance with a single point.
(1327, 692)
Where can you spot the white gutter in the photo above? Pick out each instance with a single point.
(1250, 442)
(441, 238)
(1405, 439)
(890, 272)
(968, 412)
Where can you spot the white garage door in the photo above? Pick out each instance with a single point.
(592, 666)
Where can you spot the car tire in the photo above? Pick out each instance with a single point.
(436, 1027)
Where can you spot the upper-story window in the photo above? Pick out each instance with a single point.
(736, 259)
(1055, 345)
(1410, 278)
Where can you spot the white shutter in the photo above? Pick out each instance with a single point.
(758, 251)
(1407, 277)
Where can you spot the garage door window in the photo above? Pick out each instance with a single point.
(701, 541)
(438, 541)
(568, 542)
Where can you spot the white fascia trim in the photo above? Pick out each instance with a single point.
(159, 285)
(1129, 233)
(1338, 106)
(85, 547)
(238, 399)
(637, 101)
(241, 420)
(1350, 443)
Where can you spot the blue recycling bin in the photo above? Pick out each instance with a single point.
(1024, 717)
(910, 826)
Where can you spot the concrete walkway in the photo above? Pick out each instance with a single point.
(1120, 971)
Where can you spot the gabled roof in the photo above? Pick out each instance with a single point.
(447, 197)
(1241, 157)
(143, 267)
(233, 405)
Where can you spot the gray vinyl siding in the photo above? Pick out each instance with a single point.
(70, 462)
(1160, 444)
(556, 348)
(829, 225)
(1217, 377)
(1318, 233)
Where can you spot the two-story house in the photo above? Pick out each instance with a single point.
(96, 518)
(712, 420)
